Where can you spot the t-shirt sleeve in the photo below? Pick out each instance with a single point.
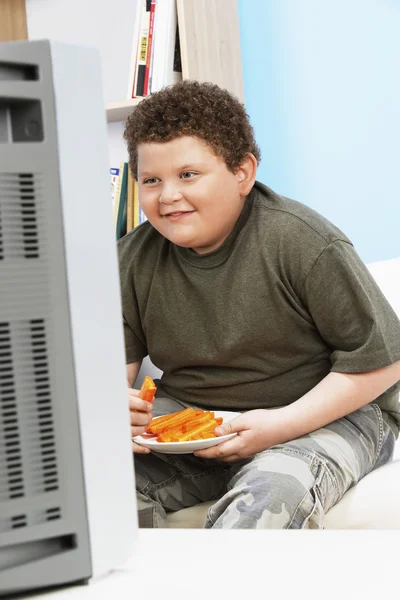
(135, 349)
(350, 311)
(135, 339)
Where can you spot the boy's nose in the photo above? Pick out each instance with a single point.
(170, 194)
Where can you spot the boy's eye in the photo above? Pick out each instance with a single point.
(150, 180)
(187, 174)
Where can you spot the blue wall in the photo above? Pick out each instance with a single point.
(322, 87)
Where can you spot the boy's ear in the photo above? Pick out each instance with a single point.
(246, 174)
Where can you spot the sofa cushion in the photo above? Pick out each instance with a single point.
(372, 504)
(189, 518)
(387, 275)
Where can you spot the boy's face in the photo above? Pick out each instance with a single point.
(187, 193)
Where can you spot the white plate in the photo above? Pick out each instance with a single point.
(150, 441)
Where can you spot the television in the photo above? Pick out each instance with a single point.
(67, 490)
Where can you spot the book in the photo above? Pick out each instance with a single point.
(151, 58)
(118, 194)
(136, 207)
(149, 48)
(142, 47)
(130, 215)
(122, 206)
(114, 175)
(165, 63)
(134, 52)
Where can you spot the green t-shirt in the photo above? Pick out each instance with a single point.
(261, 320)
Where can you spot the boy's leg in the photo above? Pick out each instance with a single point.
(166, 482)
(292, 485)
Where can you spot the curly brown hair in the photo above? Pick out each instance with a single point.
(191, 108)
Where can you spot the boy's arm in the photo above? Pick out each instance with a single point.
(336, 396)
(132, 370)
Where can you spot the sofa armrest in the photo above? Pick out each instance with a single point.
(147, 368)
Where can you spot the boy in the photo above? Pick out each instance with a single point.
(248, 302)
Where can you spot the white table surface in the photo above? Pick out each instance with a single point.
(203, 564)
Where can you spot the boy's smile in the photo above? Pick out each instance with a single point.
(175, 216)
(188, 193)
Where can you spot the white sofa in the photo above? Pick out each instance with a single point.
(374, 503)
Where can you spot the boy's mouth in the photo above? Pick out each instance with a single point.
(177, 214)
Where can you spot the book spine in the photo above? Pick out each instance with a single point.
(152, 53)
(136, 212)
(135, 50)
(149, 47)
(130, 203)
(143, 44)
(118, 194)
(114, 174)
(121, 217)
(164, 47)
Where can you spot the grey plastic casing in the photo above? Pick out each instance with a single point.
(67, 488)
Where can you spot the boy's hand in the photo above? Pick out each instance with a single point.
(140, 415)
(256, 430)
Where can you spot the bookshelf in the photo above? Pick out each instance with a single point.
(209, 38)
(210, 43)
(13, 20)
(119, 111)
(210, 49)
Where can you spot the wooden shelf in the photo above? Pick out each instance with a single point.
(13, 20)
(210, 43)
(210, 49)
(119, 111)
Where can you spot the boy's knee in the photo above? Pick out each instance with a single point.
(278, 490)
(145, 508)
(150, 513)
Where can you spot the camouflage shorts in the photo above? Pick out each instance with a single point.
(288, 486)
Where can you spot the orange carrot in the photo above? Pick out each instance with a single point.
(148, 389)
(175, 419)
(194, 433)
(185, 425)
(197, 420)
(173, 433)
(163, 419)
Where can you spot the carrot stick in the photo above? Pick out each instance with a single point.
(148, 389)
(185, 425)
(171, 424)
(170, 436)
(173, 421)
(159, 422)
(164, 418)
(169, 433)
(173, 433)
(197, 420)
(194, 433)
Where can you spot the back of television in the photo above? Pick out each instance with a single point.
(62, 364)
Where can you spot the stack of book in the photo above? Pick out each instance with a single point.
(156, 57)
(124, 192)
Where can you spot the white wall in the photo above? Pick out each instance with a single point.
(116, 144)
(107, 26)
